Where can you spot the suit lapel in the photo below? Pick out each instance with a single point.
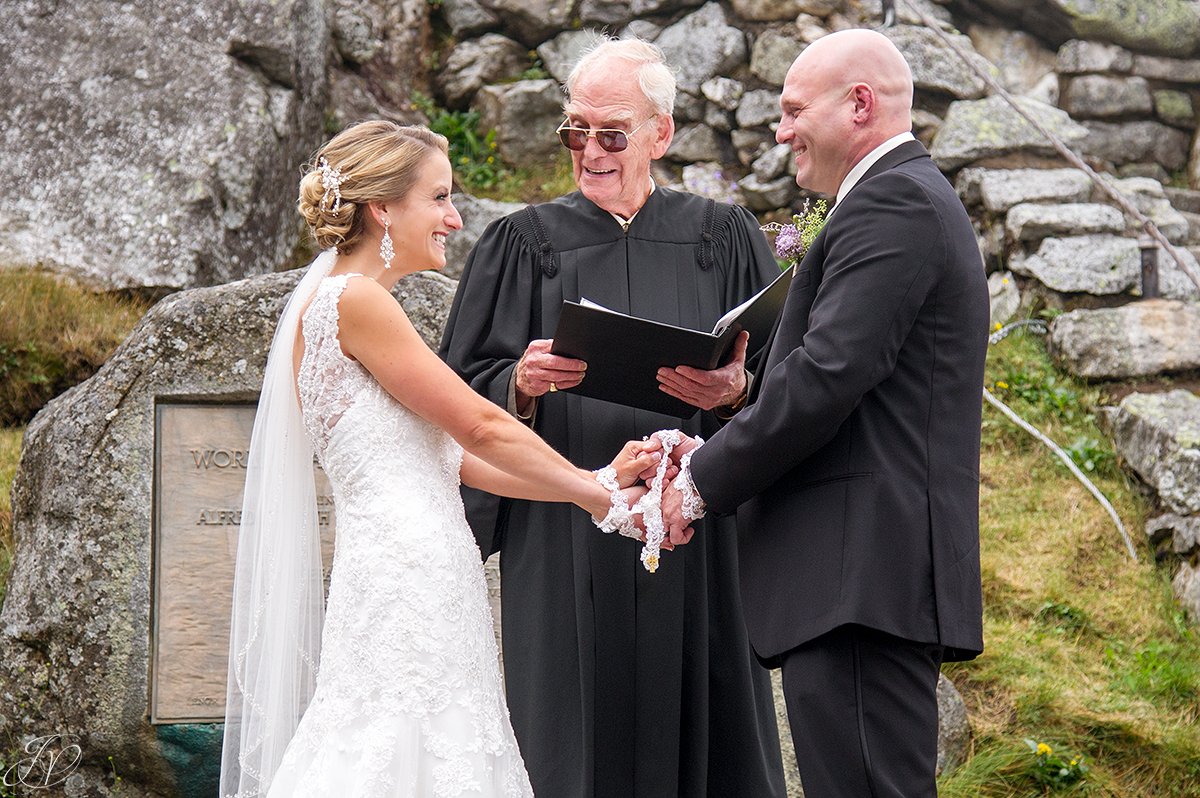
(908, 151)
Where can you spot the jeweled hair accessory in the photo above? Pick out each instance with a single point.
(331, 180)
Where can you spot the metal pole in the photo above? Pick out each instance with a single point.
(1149, 249)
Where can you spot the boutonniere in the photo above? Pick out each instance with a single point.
(793, 240)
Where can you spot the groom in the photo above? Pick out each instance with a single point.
(854, 471)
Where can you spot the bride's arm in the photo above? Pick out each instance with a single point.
(638, 460)
(374, 330)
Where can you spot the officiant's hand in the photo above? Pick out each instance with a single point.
(539, 372)
(721, 387)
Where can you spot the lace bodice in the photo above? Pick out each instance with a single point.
(409, 698)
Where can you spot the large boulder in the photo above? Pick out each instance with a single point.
(524, 115)
(1159, 27)
(531, 22)
(702, 46)
(1034, 221)
(1158, 435)
(1100, 265)
(476, 62)
(1023, 61)
(1142, 141)
(997, 190)
(158, 145)
(772, 56)
(560, 54)
(467, 17)
(1154, 336)
(975, 130)
(75, 629)
(937, 68)
(1104, 96)
(383, 46)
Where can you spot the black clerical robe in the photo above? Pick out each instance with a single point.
(621, 683)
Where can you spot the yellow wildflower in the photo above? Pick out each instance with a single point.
(1044, 749)
(997, 326)
(1002, 385)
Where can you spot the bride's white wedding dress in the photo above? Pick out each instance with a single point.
(409, 700)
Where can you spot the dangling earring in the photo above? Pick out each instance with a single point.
(385, 246)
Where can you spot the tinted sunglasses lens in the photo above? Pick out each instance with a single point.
(612, 140)
(572, 138)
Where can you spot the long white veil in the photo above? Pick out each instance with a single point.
(278, 600)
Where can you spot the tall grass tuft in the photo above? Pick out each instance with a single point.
(53, 334)
(10, 448)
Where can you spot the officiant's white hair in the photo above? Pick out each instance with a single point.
(654, 77)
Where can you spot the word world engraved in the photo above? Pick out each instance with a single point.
(200, 458)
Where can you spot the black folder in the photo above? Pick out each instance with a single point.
(624, 353)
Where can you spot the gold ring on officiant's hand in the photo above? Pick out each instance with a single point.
(553, 388)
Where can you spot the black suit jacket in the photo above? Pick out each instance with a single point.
(855, 469)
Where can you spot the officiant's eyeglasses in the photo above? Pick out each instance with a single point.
(609, 139)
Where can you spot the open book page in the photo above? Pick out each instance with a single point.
(730, 317)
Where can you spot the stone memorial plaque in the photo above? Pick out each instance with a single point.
(200, 453)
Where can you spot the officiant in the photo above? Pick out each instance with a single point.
(621, 683)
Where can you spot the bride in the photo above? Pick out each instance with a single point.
(407, 699)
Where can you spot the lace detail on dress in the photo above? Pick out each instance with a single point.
(409, 699)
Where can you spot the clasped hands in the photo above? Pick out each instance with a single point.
(637, 466)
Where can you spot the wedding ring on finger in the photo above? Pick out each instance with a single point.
(553, 388)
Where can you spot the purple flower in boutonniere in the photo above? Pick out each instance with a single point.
(793, 240)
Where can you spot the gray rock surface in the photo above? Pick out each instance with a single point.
(767, 10)
(768, 195)
(1159, 27)
(997, 190)
(524, 115)
(1186, 586)
(1174, 107)
(954, 727)
(75, 628)
(1023, 61)
(1179, 534)
(1004, 297)
(772, 55)
(773, 163)
(1136, 142)
(1094, 264)
(935, 67)
(702, 46)
(977, 129)
(384, 43)
(468, 17)
(1158, 435)
(604, 12)
(561, 53)
(1149, 197)
(758, 109)
(123, 183)
(1154, 336)
(693, 143)
(531, 22)
(1173, 70)
(477, 62)
(1080, 57)
(477, 213)
(1105, 96)
(724, 92)
(1032, 221)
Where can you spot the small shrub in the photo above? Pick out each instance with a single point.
(472, 154)
(1054, 770)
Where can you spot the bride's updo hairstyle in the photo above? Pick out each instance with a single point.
(377, 161)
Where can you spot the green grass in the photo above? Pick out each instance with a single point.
(53, 334)
(1087, 651)
(10, 450)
